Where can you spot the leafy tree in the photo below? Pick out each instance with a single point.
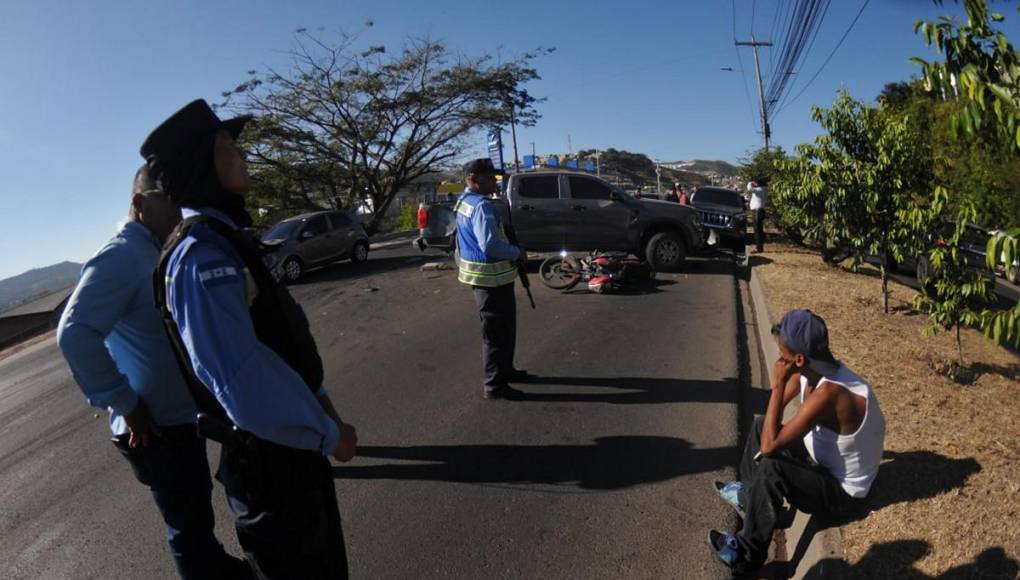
(955, 295)
(853, 186)
(980, 66)
(342, 124)
(761, 166)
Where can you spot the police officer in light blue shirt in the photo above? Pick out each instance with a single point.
(488, 262)
(249, 356)
(114, 342)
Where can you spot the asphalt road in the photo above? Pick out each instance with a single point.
(604, 471)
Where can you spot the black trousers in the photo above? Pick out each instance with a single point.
(791, 475)
(759, 229)
(283, 502)
(497, 309)
(175, 469)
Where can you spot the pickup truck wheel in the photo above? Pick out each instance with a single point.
(360, 252)
(665, 252)
(292, 269)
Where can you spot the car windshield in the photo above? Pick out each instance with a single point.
(282, 230)
(718, 196)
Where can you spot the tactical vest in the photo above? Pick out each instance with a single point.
(474, 267)
(279, 321)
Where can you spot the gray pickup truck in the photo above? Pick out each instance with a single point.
(577, 212)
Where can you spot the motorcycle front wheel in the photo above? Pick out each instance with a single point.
(560, 273)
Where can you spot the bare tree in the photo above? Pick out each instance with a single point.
(344, 124)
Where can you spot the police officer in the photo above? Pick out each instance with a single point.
(114, 342)
(251, 361)
(488, 263)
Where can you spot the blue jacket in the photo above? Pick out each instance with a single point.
(113, 338)
(208, 292)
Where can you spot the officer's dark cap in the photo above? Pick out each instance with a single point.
(169, 148)
(481, 166)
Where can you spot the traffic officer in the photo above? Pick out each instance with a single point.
(114, 342)
(246, 350)
(488, 262)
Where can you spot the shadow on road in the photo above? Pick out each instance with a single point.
(896, 560)
(375, 265)
(608, 464)
(642, 391)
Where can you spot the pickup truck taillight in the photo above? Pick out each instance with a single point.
(423, 217)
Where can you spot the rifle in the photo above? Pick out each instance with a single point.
(522, 272)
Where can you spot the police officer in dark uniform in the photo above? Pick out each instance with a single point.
(488, 262)
(249, 359)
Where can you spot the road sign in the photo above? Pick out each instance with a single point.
(496, 148)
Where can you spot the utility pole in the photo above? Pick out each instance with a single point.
(513, 133)
(754, 44)
(598, 166)
(658, 176)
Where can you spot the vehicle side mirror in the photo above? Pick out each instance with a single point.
(307, 235)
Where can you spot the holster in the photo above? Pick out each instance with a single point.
(241, 454)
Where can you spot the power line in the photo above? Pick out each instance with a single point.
(827, 59)
(740, 62)
(803, 30)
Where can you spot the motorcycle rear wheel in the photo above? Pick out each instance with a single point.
(560, 273)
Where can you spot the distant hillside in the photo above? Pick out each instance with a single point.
(23, 287)
(703, 166)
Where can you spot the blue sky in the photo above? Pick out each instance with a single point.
(84, 83)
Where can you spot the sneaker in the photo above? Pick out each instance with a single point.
(506, 393)
(726, 548)
(730, 493)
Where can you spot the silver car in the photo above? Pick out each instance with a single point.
(315, 239)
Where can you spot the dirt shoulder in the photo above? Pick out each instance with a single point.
(947, 497)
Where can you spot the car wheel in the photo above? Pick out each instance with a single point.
(666, 252)
(292, 269)
(1013, 274)
(360, 252)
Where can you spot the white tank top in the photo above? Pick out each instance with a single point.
(852, 459)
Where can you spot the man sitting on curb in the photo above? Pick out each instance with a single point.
(822, 461)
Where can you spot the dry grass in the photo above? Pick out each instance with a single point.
(947, 498)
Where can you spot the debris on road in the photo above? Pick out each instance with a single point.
(434, 266)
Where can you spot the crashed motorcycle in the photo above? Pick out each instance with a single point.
(603, 272)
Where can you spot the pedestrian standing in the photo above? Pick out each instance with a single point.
(674, 193)
(488, 262)
(246, 349)
(682, 197)
(757, 205)
(114, 342)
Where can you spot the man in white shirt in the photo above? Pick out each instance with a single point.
(757, 205)
(822, 461)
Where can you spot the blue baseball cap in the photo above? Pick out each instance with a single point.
(804, 332)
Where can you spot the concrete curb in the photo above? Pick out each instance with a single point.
(815, 550)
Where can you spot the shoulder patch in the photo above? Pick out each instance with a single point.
(213, 274)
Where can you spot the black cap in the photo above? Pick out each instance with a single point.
(169, 148)
(144, 183)
(482, 166)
